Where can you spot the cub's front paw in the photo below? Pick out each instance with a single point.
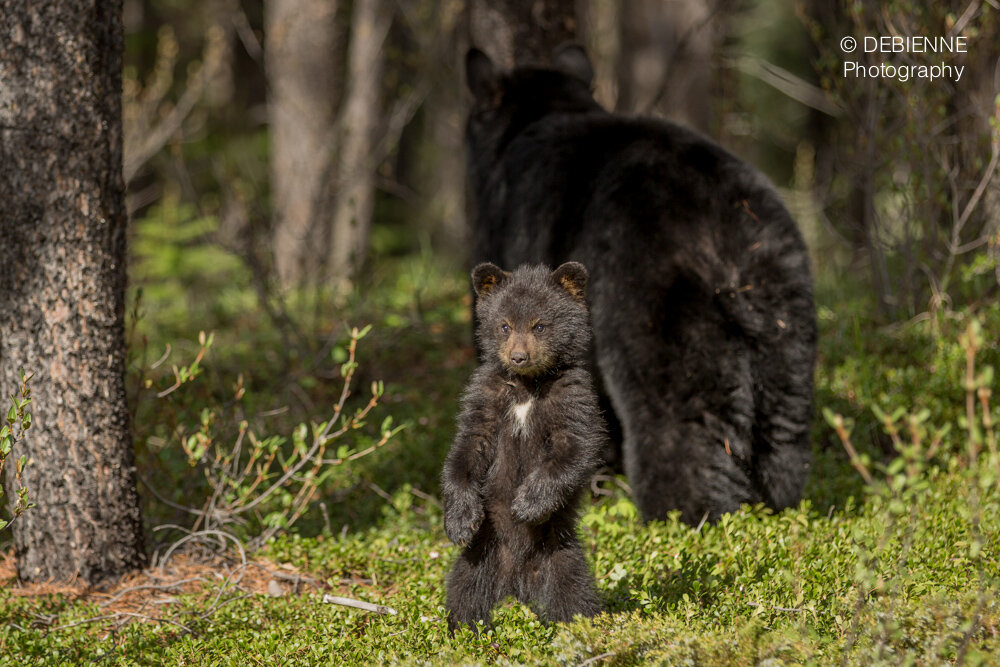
(462, 520)
(531, 507)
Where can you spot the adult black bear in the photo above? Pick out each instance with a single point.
(529, 438)
(701, 294)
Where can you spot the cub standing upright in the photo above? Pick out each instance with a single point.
(529, 437)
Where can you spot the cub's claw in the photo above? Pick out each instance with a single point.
(461, 523)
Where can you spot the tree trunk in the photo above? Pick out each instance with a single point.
(600, 24)
(62, 285)
(520, 31)
(303, 73)
(666, 60)
(359, 125)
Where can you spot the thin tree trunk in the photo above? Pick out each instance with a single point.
(516, 31)
(666, 62)
(358, 133)
(600, 24)
(302, 40)
(62, 285)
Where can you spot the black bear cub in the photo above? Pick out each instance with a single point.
(529, 438)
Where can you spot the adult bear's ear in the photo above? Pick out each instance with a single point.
(570, 58)
(487, 277)
(481, 76)
(572, 277)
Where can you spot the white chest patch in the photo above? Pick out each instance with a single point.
(520, 412)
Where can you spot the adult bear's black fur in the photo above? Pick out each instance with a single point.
(701, 295)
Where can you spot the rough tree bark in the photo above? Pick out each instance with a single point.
(62, 285)
(519, 31)
(359, 124)
(303, 64)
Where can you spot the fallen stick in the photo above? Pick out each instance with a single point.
(358, 604)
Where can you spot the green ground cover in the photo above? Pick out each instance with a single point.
(902, 570)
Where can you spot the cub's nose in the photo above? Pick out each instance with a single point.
(518, 358)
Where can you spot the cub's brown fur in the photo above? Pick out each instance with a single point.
(529, 437)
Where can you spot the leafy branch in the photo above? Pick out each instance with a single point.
(272, 480)
(17, 423)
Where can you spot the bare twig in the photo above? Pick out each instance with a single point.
(85, 621)
(380, 491)
(143, 141)
(165, 501)
(425, 496)
(158, 619)
(963, 20)
(149, 587)
(955, 247)
(596, 480)
(596, 659)
(358, 604)
(204, 533)
(845, 439)
(787, 609)
(787, 83)
(246, 35)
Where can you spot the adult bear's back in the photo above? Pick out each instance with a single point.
(701, 292)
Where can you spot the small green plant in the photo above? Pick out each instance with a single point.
(901, 489)
(18, 421)
(259, 486)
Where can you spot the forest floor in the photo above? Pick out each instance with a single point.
(903, 569)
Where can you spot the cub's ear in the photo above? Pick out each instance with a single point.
(487, 277)
(572, 277)
(481, 76)
(570, 58)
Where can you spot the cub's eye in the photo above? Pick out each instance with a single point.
(539, 328)
(505, 328)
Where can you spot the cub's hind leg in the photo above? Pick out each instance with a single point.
(473, 589)
(558, 585)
